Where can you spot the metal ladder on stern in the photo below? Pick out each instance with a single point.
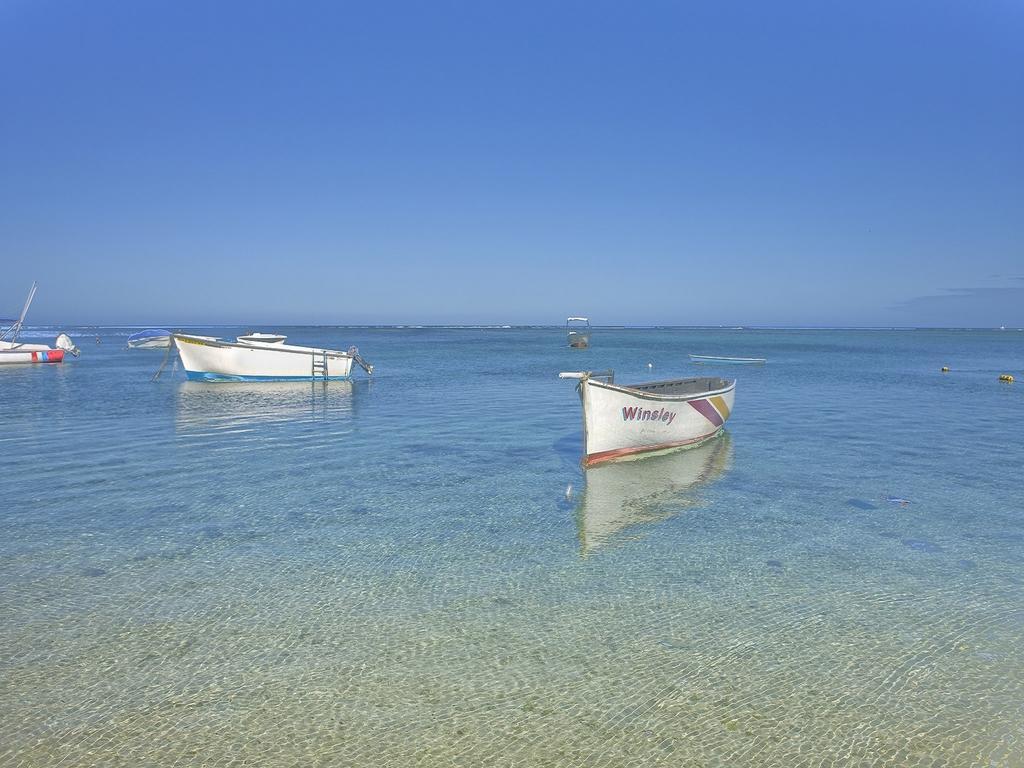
(320, 366)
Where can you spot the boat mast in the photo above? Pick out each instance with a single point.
(15, 329)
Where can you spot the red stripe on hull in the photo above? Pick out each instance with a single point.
(42, 355)
(618, 453)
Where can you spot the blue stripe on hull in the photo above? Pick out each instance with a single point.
(202, 376)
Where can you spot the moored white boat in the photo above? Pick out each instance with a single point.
(13, 351)
(212, 359)
(624, 421)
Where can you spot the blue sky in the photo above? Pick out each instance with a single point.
(715, 163)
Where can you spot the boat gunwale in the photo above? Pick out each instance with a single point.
(28, 346)
(644, 395)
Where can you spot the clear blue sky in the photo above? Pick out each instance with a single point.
(655, 162)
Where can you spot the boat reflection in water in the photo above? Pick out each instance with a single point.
(240, 405)
(621, 495)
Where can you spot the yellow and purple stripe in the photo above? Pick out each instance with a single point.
(714, 409)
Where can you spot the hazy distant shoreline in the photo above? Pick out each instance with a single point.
(494, 327)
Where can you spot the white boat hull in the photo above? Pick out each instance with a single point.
(15, 353)
(9, 357)
(620, 422)
(209, 359)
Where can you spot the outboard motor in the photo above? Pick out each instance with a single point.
(64, 342)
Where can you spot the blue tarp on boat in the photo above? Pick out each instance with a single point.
(151, 337)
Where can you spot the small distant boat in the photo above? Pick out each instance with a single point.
(577, 331)
(266, 338)
(12, 351)
(711, 359)
(621, 421)
(151, 338)
(208, 358)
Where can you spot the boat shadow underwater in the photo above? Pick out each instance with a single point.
(240, 405)
(621, 498)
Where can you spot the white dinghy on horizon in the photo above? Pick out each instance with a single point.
(621, 421)
(207, 358)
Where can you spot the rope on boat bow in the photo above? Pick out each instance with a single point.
(172, 347)
(353, 352)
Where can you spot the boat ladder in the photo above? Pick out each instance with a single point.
(320, 365)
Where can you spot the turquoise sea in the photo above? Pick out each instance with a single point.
(414, 570)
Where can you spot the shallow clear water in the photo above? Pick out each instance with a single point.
(397, 573)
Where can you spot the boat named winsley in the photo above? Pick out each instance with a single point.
(620, 421)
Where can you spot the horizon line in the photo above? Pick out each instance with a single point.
(535, 326)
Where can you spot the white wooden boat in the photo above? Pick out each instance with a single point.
(208, 358)
(577, 332)
(621, 497)
(13, 351)
(713, 359)
(623, 421)
(151, 338)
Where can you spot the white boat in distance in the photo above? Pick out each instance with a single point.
(13, 351)
(577, 332)
(710, 359)
(267, 338)
(623, 421)
(207, 358)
